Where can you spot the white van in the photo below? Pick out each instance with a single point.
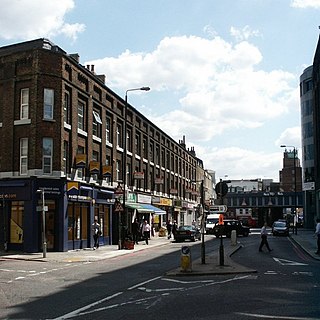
(211, 220)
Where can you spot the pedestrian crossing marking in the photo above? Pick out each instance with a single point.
(285, 262)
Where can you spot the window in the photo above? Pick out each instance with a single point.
(23, 156)
(65, 157)
(119, 135)
(47, 150)
(80, 171)
(129, 144)
(81, 114)
(137, 143)
(118, 166)
(48, 102)
(144, 148)
(95, 157)
(96, 124)
(24, 109)
(108, 130)
(66, 107)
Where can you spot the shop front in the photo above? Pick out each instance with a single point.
(22, 202)
(84, 204)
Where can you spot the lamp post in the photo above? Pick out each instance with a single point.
(202, 196)
(221, 190)
(203, 248)
(124, 160)
(44, 240)
(295, 185)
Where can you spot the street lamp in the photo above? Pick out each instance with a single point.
(295, 184)
(124, 160)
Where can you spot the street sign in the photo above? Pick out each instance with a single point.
(118, 206)
(217, 209)
(39, 208)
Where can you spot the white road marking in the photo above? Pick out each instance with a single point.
(285, 262)
(264, 316)
(142, 283)
(78, 311)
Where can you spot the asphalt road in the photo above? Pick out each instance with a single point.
(134, 286)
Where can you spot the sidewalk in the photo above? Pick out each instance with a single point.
(85, 255)
(304, 239)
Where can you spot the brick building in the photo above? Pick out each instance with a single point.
(62, 135)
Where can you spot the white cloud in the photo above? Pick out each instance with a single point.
(306, 4)
(239, 163)
(244, 33)
(27, 19)
(290, 137)
(219, 85)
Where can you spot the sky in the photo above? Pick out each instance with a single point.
(224, 74)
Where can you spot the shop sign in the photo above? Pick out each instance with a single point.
(81, 160)
(131, 197)
(106, 171)
(94, 167)
(165, 202)
(79, 198)
(73, 187)
(177, 203)
(8, 196)
(143, 198)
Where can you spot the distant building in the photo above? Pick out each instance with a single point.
(307, 144)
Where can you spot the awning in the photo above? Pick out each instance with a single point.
(143, 207)
(154, 209)
(138, 206)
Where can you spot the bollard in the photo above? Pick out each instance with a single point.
(185, 260)
(233, 237)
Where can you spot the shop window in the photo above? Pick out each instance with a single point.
(16, 222)
(77, 222)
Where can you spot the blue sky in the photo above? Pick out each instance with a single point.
(224, 74)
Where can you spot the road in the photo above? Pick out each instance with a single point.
(135, 286)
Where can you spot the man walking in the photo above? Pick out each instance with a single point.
(96, 233)
(135, 231)
(146, 231)
(264, 240)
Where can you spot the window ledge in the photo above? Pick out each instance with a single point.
(22, 122)
(83, 133)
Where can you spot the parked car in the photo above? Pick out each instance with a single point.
(280, 228)
(228, 226)
(187, 233)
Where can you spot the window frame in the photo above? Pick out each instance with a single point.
(96, 124)
(81, 115)
(23, 167)
(48, 103)
(24, 105)
(47, 144)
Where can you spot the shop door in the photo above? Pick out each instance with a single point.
(50, 224)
